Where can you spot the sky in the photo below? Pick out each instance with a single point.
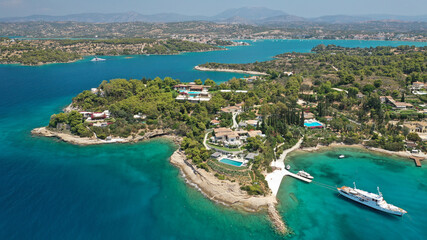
(304, 8)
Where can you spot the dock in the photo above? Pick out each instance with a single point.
(274, 179)
(297, 177)
(417, 160)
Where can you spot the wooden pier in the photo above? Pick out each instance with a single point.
(417, 160)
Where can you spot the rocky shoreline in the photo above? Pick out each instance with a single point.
(73, 139)
(221, 191)
(403, 154)
(226, 192)
(228, 70)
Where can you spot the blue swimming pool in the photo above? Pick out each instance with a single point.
(190, 92)
(313, 124)
(231, 162)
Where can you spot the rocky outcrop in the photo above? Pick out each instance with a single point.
(73, 139)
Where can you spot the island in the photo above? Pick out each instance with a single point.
(233, 137)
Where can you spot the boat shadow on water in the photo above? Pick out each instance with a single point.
(361, 206)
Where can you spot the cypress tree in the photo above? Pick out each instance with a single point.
(302, 119)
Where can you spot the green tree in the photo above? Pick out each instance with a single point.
(378, 83)
(352, 92)
(210, 82)
(368, 88)
(414, 137)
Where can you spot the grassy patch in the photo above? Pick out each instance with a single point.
(224, 148)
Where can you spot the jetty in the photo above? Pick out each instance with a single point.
(274, 178)
(417, 160)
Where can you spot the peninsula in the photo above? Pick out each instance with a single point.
(233, 137)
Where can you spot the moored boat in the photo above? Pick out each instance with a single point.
(288, 167)
(304, 174)
(97, 59)
(372, 200)
(341, 156)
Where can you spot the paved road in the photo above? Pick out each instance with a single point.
(235, 125)
(206, 138)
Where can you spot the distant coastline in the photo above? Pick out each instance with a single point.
(228, 70)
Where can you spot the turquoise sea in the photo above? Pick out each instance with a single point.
(53, 190)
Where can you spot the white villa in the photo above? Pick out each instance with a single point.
(227, 136)
(417, 85)
(232, 109)
(396, 104)
(192, 93)
(95, 115)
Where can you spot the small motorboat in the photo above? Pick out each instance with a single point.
(288, 167)
(97, 59)
(304, 174)
(341, 156)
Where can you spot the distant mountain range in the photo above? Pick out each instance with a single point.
(246, 15)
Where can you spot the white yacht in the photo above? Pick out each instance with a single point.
(288, 167)
(97, 59)
(302, 173)
(372, 200)
(341, 156)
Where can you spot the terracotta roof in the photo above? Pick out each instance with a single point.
(254, 133)
(220, 130)
(228, 109)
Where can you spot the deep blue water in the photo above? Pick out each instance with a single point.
(53, 190)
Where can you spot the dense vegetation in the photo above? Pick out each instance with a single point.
(326, 83)
(385, 30)
(367, 69)
(32, 52)
(362, 75)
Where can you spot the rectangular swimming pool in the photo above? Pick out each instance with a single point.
(231, 162)
(313, 124)
(189, 92)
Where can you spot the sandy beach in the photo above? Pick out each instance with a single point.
(228, 70)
